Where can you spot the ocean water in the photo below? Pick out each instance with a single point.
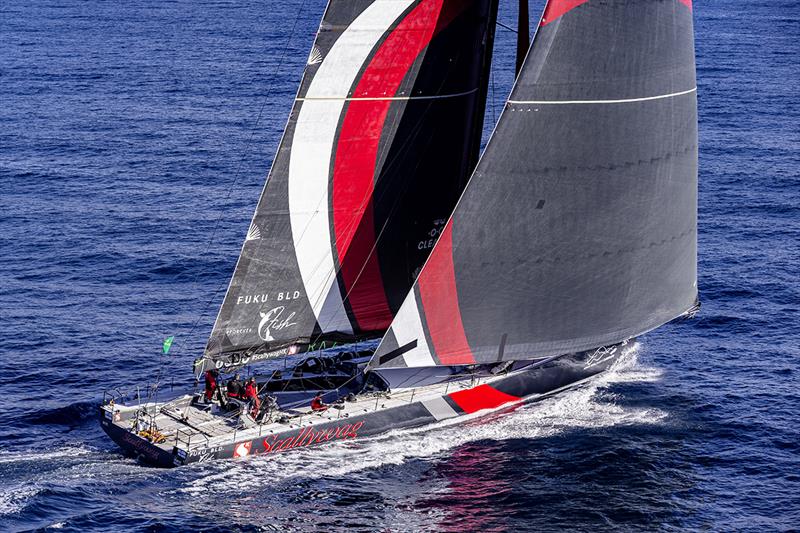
(134, 140)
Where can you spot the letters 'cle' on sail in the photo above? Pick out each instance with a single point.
(381, 140)
(578, 228)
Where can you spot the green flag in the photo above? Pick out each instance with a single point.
(168, 344)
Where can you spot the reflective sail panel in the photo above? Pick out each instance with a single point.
(578, 227)
(379, 144)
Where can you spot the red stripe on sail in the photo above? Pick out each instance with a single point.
(556, 8)
(687, 3)
(481, 397)
(437, 289)
(356, 159)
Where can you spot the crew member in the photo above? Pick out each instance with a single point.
(317, 405)
(270, 406)
(235, 389)
(211, 383)
(251, 394)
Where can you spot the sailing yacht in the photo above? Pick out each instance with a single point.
(401, 280)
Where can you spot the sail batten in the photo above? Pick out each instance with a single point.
(388, 116)
(619, 101)
(578, 228)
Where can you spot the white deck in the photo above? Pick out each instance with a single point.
(190, 427)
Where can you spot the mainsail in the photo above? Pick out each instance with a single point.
(384, 133)
(578, 228)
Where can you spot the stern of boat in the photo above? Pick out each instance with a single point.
(117, 420)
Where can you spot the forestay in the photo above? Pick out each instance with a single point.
(379, 144)
(578, 228)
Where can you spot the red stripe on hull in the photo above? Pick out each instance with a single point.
(481, 397)
(556, 8)
(356, 158)
(687, 3)
(439, 295)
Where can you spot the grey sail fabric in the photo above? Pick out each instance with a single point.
(382, 137)
(578, 229)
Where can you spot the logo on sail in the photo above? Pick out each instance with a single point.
(432, 235)
(273, 320)
(315, 56)
(253, 234)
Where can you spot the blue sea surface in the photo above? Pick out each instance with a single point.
(134, 141)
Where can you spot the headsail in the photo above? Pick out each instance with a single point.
(578, 228)
(382, 137)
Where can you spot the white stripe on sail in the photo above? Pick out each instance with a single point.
(623, 101)
(312, 150)
(407, 327)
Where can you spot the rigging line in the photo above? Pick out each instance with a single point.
(333, 274)
(239, 167)
(388, 164)
(494, 101)
(512, 30)
(354, 224)
(365, 202)
(303, 379)
(395, 206)
(320, 298)
(621, 101)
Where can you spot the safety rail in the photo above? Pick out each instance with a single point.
(183, 436)
(140, 393)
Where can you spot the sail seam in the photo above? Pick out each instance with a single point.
(622, 101)
(607, 253)
(385, 98)
(615, 166)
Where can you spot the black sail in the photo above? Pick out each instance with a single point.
(578, 228)
(379, 144)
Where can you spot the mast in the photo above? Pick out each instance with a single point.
(523, 34)
(578, 228)
(376, 151)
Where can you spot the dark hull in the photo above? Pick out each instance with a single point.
(532, 384)
(136, 446)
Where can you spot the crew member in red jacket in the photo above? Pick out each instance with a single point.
(317, 404)
(211, 383)
(251, 394)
